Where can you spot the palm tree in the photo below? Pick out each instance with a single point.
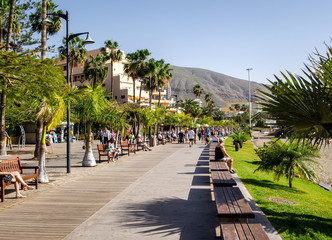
(302, 104)
(38, 26)
(164, 77)
(208, 98)
(160, 74)
(112, 53)
(40, 14)
(50, 114)
(147, 117)
(198, 91)
(289, 159)
(89, 106)
(137, 66)
(77, 54)
(244, 107)
(189, 105)
(95, 70)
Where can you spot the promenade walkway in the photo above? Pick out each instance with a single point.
(163, 194)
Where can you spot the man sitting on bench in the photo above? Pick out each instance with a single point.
(220, 154)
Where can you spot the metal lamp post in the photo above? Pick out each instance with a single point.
(249, 98)
(150, 101)
(88, 40)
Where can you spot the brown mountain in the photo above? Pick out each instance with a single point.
(223, 88)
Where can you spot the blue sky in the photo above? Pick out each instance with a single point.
(226, 36)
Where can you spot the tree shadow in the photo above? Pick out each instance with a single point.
(192, 218)
(300, 225)
(270, 184)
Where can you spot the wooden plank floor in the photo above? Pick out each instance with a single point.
(55, 212)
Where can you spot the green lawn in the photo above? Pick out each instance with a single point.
(310, 218)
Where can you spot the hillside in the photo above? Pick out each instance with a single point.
(223, 88)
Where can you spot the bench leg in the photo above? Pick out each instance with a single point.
(2, 194)
(36, 182)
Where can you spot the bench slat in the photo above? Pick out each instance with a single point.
(231, 203)
(218, 166)
(222, 178)
(243, 231)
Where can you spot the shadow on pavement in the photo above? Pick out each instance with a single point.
(194, 218)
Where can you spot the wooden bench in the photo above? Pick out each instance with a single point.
(161, 141)
(140, 145)
(222, 178)
(242, 231)
(103, 152)
(127, 147)
(213, 145)
(231, 204)
(14, 165)
(218, 166)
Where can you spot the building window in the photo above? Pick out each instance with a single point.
(116, 97)
(103, 85)
(64, 68)
(123, 96)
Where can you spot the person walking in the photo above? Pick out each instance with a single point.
(106, 135)
(191, 135)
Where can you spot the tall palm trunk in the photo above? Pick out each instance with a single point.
(138, 126)
(3, 150)
(88, 159)
(159, 97)
(42, 176)
(134, 89)
(140, 94)
(40, 123)
(112, 83)
(1, 29)
(116, 138)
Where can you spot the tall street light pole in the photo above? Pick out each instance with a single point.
(150, 101)
(88, 40)
(249, 98)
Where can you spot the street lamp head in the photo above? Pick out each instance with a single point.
(47, 21)
(88, 40)
(249, 69)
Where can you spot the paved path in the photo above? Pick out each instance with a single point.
(163, 194)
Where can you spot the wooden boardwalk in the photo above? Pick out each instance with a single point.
(55, 211)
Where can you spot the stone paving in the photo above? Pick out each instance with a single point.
(163, 194)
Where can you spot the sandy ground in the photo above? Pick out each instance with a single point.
(325, 174)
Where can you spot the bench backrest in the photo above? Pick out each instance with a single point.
(11, 165)
(101, 147)
(124, 144)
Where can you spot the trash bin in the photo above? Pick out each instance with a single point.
(153, 141)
